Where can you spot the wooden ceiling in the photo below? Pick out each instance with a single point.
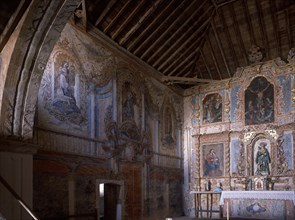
(188, 42)
(194, 41)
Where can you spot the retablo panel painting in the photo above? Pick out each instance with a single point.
(212, 108)
(212, 155)
(259, 102)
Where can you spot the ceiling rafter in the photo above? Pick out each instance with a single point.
(273, 9)
(105, 11)
(220, 48)
(238, 34)
(150, 26)
(214, 58)
(119, 14)
(228, 38)
(249, 22)
(128, 19)
(181, 39)
(181, 57)
(142, 19)
(287, 20)
(261, 25)
(206, 64)
(183, 15)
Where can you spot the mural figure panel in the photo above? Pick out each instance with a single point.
(262, 160)
(212, 157)
(259, 102)
(129, 103)
(212, 108)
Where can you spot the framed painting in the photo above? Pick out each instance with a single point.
(213, 160)
(259, 102)
(212, 108)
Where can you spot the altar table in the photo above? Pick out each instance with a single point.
(258, 204)
(209, 198)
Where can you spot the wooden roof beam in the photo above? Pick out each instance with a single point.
(221, 49)
(249, 22)
(121, 12)
(287, 17)
(214, 58)
(262, 29)
(186, 79)
(238, 34)
(184, 57)
(142, 19)
(169, 29)
(128, 19)
(181, 39)
(206, 64)
(273, 10)
(105, 11)
(151, 25)
(228, 38)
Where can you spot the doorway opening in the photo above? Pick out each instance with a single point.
(109, 200)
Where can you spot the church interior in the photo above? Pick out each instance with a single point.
(147, 110)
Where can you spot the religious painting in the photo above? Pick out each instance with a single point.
(129, 102)
(235, 148)
(212, 160)
(259, 102)
(212, 108)
(262, 158)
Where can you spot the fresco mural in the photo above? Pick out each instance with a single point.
(259, 102)
(284, 87)
(212, 108)
(212, 160)
(129, 102)
(234, 104)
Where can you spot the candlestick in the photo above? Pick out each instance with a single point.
(227, 211)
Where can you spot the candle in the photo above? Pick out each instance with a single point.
(227, 211)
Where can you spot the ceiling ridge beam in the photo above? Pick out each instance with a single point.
(182, 38)
(141, 20)
(186, 79)
(131, 46)
(105, 11)
(220, 48)
(131, 15)
(113, 21)
(228, 38)
(262, 29)
(169, 29)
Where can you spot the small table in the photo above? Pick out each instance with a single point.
(209, 203)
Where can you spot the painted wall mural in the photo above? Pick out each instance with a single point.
(259, 102)
(235, 149)
(212, 108)
(284, 86)
(212, 160)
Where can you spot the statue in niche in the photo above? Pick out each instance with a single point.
(212, 108)
(129, 103)
(259, 102)
(262, 160)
